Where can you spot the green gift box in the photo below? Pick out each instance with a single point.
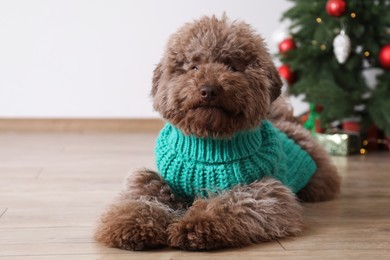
(339, 143)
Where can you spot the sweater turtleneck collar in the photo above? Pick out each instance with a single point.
(214, 150)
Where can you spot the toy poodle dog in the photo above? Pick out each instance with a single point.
(232, 163)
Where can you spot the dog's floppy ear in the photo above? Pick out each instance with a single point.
(276, 83)
(157, 73)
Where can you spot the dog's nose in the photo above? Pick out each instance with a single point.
(208, 92)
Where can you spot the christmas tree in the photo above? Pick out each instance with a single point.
(333, 44)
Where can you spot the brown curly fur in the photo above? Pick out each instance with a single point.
(261, 211)
(227, 56)
(216, 78)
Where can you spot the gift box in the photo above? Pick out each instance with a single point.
(340, 143)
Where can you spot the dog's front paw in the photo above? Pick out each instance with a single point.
(197, 234)
(206, 225)
(134, 225)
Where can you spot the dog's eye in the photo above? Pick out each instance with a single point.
(232, 68)
(194, 68)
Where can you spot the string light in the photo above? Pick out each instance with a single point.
(366, 53)
(323, 47)
(353, 15)
(318, 20)
(366, 142)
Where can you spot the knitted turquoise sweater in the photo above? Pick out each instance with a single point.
(195, 166)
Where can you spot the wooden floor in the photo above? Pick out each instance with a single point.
(54, 186)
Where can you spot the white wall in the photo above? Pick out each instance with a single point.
(94, 58)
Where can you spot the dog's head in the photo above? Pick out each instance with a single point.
(216, 78)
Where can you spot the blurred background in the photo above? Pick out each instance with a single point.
(94, 59)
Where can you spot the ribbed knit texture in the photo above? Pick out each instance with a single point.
(195, 166)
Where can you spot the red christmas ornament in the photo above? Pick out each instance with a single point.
(336, 7)
(384, 56)
(287, 45)
(286, 73)
(319, 108)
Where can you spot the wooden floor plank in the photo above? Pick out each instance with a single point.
(19, 173)
(49, 217)
(172, 255)
(84, 248)
(366, 236)
(57, 199)
(45, 235)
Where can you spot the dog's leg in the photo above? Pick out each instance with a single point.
(262, 211)
(148, 185)
(325, 183)
(139, 218)
(134, 225)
